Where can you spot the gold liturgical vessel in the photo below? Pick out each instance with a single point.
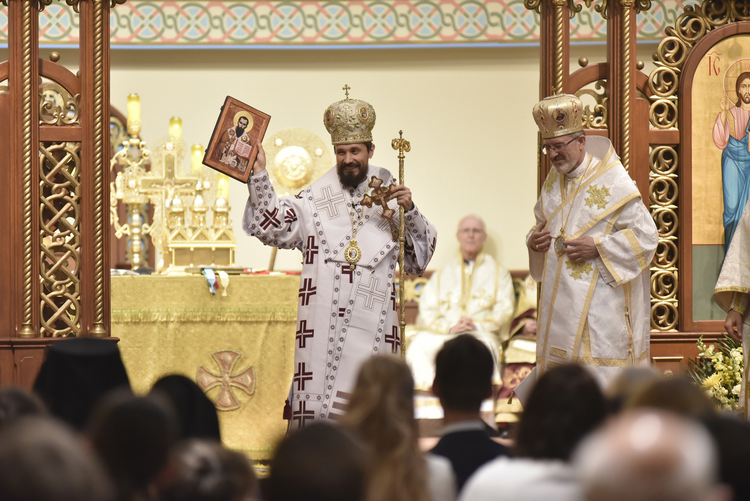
(180, 229)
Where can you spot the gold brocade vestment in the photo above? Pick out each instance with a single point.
(595, 313)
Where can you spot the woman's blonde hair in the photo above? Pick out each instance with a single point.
(381, 415)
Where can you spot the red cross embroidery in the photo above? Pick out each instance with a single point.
(311, 250)
(307, 291)
(301, 377)
(301, 414)
(303, 333)
(289, 218)
(393, 339)
(245, 381)
(269, 218)
(393, 297)
(348, 270)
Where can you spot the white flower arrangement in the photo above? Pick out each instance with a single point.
(718, 371)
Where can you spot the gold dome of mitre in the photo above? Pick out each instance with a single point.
(558, 115)
(349, 120)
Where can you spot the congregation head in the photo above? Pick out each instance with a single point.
(318, 463)
(133, 437)
(16, 403)
(203, 470)
(649, 455)
(679, 395)
(463, 374)
(564, 406)
(42, 459)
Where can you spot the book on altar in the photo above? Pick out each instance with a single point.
(231, 149)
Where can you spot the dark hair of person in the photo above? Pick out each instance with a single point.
(368, 145)
(196, 413)
(679, 395)
(463, 373)
(743, 76)
(565, 405)
(732, 438)
(133, 437)
(16, 403)
(43, 460)
(203, 470)
(317, 463)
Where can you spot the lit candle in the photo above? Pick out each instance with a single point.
(175, 128)
(196, 158)
(222, 188)
(134, 110)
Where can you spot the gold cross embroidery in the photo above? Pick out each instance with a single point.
(579, 269)
(597, 196)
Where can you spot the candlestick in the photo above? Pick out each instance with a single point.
(175, 128)
(134, 114)
(196, 159)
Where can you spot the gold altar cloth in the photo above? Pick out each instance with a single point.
(173, 325)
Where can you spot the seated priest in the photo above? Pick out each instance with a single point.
(473, 294)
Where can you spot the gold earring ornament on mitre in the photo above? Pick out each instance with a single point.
(349, 121)
(558, 115)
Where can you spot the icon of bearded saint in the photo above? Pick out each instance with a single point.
(235, 145)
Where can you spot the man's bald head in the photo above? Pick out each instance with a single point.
(649, 456)
(471, 236)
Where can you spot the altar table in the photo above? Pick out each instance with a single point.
(240, 346)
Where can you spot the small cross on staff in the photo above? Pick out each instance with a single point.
(346, 89)
(403, 146)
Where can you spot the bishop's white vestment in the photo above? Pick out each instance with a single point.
(345, 313)
(595, 313)
(733, 292)
(483, 292)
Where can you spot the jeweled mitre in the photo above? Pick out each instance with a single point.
(349, 121)
(558, 115)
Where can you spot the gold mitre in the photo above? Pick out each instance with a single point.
(558, 115)
(350, 120)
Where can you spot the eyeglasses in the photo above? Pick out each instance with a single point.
(557, 147)
(475, 231)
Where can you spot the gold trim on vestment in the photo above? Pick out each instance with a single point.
(583, 322)
(626, 289)
(636, 248)
(736, 303)
(552, 363)
(744, 290)
(596, 174)
(732, 132)
(558, 352)
(606, 260)
(603, 362)
(606, 213)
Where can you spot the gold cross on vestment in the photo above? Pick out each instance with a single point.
(346, 89)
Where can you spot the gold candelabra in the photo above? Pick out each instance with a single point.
(182, 241)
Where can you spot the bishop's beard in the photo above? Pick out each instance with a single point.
(239, 131)
(352, 179)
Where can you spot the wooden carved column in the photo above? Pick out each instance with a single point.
(23, 17)
(95, 124)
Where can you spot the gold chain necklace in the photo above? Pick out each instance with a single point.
(352, 253)
(560, 240)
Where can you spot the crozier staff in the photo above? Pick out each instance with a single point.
(590, 249)
(347, 307)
